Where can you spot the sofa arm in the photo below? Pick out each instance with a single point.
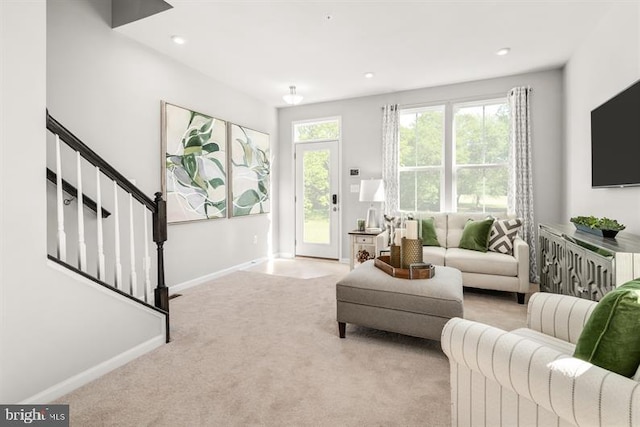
(561, 316)
(521, 254)
(574, 390)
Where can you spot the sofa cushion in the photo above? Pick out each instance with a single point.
(503, 232)
(478, 262)
(475, 235)
(433, 254)
(428, 232)
(455, 226)
(610, 337)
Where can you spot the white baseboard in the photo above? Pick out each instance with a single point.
(345, 260)
(95, 372)
(208, 277)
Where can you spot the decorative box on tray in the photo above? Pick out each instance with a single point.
(418, 270)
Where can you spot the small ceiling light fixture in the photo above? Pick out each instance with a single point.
(178, 39)
(503, 51)
(292, 98)
(368, 75)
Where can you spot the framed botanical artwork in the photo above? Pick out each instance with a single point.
(194, 164)
(250, 169)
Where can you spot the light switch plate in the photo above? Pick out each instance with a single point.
(355, 188)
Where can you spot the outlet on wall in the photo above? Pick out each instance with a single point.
(255, 239)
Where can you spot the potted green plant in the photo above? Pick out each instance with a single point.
(603, 227)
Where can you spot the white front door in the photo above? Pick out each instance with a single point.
(317, 200)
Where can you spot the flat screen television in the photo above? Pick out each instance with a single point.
(615, 140)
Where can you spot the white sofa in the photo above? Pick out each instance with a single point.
(528, 377)
(490, 270)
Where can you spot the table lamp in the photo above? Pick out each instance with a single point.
(372, 190)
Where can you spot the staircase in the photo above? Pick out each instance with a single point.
(104, 224)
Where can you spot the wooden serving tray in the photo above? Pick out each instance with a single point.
(383, 263)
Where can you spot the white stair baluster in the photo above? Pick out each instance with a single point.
(118, 266)
(146, 262)
(82, 246)
(62, 237)
(101, 272)
(133, 278)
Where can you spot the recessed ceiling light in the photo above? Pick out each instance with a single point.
(178, 39)
(368, 75)
(503, 51)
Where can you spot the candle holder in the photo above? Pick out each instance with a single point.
(395, 256)
(410, 252)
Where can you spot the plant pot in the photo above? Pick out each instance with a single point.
(595, 231)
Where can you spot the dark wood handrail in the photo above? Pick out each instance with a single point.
(72, 141)
(73, 192)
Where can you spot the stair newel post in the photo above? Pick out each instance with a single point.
(159, 237)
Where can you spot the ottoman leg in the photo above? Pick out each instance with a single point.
(341, 328)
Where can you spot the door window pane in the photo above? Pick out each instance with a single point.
(319, 130)
(317, 206)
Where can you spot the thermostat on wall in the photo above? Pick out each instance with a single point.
(354, 172)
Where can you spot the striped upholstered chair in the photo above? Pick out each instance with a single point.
(528, 377)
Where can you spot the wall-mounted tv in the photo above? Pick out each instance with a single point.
(615, 140)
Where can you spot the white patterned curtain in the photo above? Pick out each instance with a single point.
(390, 138)
(521, 173)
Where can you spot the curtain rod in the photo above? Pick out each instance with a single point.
(456, 100)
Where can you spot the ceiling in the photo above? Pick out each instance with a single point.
(261, 47)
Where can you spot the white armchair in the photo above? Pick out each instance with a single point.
(528, 377)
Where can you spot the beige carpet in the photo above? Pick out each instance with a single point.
(252, 349)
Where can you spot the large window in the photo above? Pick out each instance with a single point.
(421, 158)
(481, 135)
(464, 170)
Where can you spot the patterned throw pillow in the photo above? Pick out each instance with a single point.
(502, 234)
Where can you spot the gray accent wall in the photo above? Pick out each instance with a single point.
(107, 89)
(362, 142)
(606, 63)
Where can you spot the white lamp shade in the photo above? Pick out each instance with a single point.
(372, 190)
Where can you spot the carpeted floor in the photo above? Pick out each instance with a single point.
(254, 349)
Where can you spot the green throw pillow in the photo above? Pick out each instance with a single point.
(475, 235)
(428, 235)
(610, 338)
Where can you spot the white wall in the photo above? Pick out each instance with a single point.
(362, 142)
(52, 328)
(107, 89)
(606, 63)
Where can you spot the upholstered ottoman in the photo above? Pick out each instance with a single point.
(368, 296)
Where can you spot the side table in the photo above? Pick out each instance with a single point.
(369, 242)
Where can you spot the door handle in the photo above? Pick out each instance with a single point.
(334, 199)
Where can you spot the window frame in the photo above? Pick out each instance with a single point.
(449, 167)
(415, 110)
(337, 119)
